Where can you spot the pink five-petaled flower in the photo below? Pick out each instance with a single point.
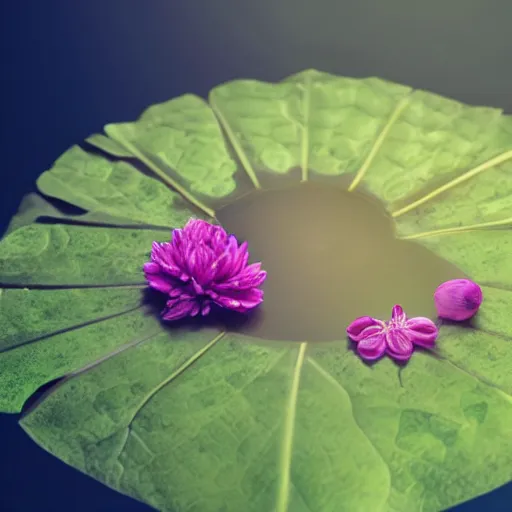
(200, 265)
(396, 337)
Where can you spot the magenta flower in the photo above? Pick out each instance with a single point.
(202, 265)
(396, 337)
(458, 299)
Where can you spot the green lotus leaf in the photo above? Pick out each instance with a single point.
(225, 417)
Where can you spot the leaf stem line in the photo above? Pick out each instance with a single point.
(493, 162)
(306, 101)
(479, 378)
(15, 286)
(496, 286)
(283, 496)
(343, 392)
(98, 224)
(340, 389)
(115, 352)
(70, 328)
(113, 132)
(400, 107)
(461, 229)
(155, 390)
(175, 374)
(235, 144)
(76, 373)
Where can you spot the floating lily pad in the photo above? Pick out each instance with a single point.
(355, 194)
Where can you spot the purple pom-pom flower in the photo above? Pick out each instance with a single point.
(458, 299)
(202, 265)
(397, 337)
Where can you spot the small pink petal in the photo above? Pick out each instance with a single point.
(399, 344)
(372, 347)
(400, 357)
(398, 317)
(363, 327)
(422, 331)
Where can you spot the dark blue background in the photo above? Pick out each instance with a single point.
(68, 67)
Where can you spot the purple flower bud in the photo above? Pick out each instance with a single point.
(458, 299)
(202, 265)
(397, 337)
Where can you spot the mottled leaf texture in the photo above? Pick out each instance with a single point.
(201, 420)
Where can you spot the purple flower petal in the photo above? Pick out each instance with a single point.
(241, 258)
(228, 264)
(198, 289)
(195, 309)
(250, 298)
(163, 257)
(197, 229)
(372, 347)
(160, 283)
(229, 302)
(205, 308)
(177, 309)
(250, 277)
(151, 268)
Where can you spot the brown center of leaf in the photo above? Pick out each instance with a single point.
(331, 256)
